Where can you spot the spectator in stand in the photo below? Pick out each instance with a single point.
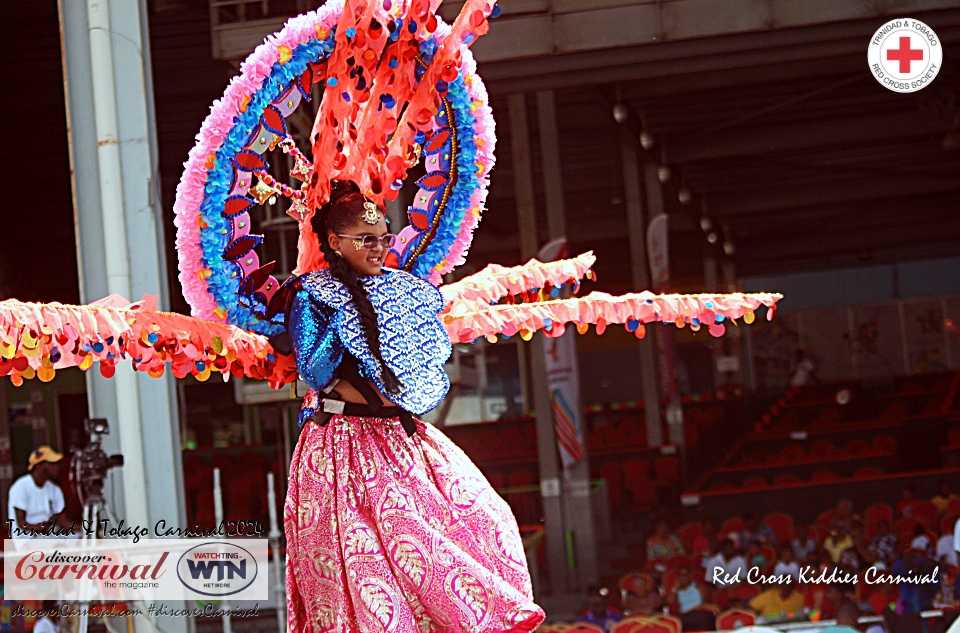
(908, 496)
(726, 568)
(685, 595)
(884, 544)
(914, 597)
(755, 531)
(956, 544)
(858, 556)
(837, 541)
(920, 540)
(831, 597)
(663, 545)
(884, 597)
(803, 544)
(600, 613)
(779, 602)
(943, 497)
(846, 514)
(786, 566)
(649, 604)
(707, 543)
(50, 622)
(847, 616)
(804, 370)
(755, 558)
(687, 599)
(945, 552)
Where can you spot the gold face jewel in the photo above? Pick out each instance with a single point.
(370, 214)
(358, 244)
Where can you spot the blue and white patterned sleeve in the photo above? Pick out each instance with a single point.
(316, 346)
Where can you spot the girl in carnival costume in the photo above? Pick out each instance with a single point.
(389, 526)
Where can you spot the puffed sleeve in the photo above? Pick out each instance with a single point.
(316, 346)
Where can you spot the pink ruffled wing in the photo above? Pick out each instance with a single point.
(36, 339)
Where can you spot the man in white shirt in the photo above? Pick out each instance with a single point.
(956, 537)
(49, 623)
(726, 568)
(35, 503)
(786, 566)
(945, 552)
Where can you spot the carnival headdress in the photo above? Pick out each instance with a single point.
(398, 86)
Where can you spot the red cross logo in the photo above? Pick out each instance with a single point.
(905, 54)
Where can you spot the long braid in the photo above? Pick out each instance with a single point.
(346, 275)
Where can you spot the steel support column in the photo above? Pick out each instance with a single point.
(546, 436)
(576, 495)
(637, 234)
(113, 154)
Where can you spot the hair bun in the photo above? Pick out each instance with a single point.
(341, 188)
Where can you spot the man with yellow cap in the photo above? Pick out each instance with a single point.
(35, 501)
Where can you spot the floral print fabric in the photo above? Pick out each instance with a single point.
(402, 534)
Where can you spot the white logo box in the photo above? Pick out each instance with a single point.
(119, 570)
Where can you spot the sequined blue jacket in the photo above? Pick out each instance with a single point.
(323, 323)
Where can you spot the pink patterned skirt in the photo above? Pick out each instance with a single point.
(393, 533)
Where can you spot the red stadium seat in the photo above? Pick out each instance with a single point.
(734, 524)
(636, 468)
(735, 619)
(787, 480)
(794, 452)
(885, 443)
(781, 524)
(722, 485)
(612, 473)
(954, 507)
(644, 493)
(824, 476)
(925, 512)
(904, 528)
(879, 602)
(868, 471)
(688, 533)
(857, 447)
(770, 555)
(669, 579)
(752, 483)
(676, 562)
(744, 591)
(947, 523)
(874, 513)
(667, 470)
(825, 449)
(818, 533)
(825, 517)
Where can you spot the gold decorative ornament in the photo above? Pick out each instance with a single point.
(262, 192)
(370, 214)
(358, 244)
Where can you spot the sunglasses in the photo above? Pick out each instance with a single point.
(371, 242)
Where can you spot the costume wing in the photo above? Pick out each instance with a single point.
(37, 339)
(527, 298)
